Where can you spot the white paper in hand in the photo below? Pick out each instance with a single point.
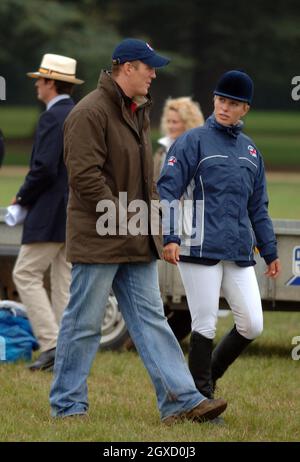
(15, 215)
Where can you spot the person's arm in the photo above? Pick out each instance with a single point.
(179, 167)
(47, 156)
(273, 269)
(85, 155)
(171, 253)
(262, 223)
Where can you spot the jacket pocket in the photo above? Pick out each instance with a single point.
(248, 174)
(251, 165)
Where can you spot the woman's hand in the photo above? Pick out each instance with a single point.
(273, 269)
(171, 253)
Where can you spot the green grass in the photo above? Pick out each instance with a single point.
(284, 191)
(281, 151)
(9, 184)
(275, 133)
(284, 198)
(277, 136)
(18, 121)
(17, 158)
(261, 387)
(272, 122)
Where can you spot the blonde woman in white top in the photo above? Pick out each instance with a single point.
(179, 115)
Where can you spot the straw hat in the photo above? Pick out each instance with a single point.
(57, 67)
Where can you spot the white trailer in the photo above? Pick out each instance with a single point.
(280, 294)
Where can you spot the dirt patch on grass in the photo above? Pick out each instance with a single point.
(13, 170)
(286, 177)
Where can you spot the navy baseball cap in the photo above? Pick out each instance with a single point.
(137, 50)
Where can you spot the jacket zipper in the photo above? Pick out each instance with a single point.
(202, 224)
(252, 242)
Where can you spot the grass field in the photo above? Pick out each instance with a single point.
(18, 121)
(284, 190)
(275, 133)
(284, 194)
(277, 136)
(261, 387)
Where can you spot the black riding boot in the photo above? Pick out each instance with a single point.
(200, 363)
(227, 350)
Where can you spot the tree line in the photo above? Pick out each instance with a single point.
(203, 38)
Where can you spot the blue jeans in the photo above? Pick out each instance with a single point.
(136, 288)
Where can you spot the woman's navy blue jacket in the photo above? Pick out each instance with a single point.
(219, 173)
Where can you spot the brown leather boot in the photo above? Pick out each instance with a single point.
(208, 409)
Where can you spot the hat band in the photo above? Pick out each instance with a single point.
(43, 70)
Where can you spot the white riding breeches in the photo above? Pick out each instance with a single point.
(203, 285)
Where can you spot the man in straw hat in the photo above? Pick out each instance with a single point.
(107, 152)
(45, 192)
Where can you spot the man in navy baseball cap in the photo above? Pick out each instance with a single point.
(137, 50)
(108, 152)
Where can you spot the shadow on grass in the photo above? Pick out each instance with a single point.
(255, 349)
(259, 349)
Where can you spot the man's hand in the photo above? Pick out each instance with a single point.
(171, 253)
(273, 269)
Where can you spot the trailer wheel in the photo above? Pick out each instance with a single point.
(114, 331)
(115, 335)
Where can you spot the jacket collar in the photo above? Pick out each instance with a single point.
(108, 84)
(56, 100)
(232, 130)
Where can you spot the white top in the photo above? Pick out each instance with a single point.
(166, 141)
